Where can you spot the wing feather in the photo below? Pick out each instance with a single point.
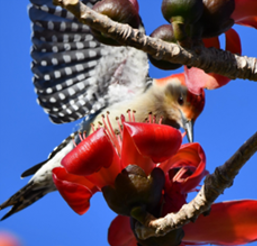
(74, 74)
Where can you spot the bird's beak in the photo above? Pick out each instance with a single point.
(188, 126)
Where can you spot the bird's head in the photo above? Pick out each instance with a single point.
(181, 106)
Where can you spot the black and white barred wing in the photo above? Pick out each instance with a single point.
(74, 74)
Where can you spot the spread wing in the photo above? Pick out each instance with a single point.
(74, 74)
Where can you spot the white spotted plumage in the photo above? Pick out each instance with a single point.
(66, 58)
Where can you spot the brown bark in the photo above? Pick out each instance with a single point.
(214, 185)
(209, 59)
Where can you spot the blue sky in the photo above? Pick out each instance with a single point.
(229, 118)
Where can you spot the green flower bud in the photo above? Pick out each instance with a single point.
(182, 14)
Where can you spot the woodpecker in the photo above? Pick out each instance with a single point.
(77, 77)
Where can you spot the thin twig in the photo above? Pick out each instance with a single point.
(209, 59)
(214, 185)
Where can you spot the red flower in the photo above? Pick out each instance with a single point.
(229, 223)
(98, 159)
(149, 146)
(184, 171)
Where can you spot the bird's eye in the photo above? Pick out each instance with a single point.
(180, 100)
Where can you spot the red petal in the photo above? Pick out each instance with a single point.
(159, 142)
(196, 79)
(249, 21)
(189, 155)
(229, 223)
(62, 174)
(90, 155)
(233, 42)
(130, 154)
(245, 12)
(106, 176)
(120, 233)
(75, 194)
(173, 200)
(211, 42)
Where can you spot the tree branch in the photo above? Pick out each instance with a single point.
(209, 59)
(214, 185)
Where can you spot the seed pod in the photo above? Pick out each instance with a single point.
(182, 14)
(164, 32)
(216, 17)
(122, 11)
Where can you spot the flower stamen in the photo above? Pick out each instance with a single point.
(133, 116)
(119, 139)
(129, 115)
(122, 118)
(179, 174)
(118, 123)
(73, 140)
(84, 134)
(110, 131)
(80, 136)
(92, 127)
(99, 125)
(154, 119)
(150, 117)
(160, 120)
(108, 128)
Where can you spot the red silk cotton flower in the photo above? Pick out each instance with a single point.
(148, 146)
(229, 223)
(136, 156)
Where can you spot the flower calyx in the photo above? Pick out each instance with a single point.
(133, 188)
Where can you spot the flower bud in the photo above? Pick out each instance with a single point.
(216, 17)
(182, 14)
(122, 11)
(164, 32)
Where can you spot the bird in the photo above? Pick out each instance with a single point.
(77, 77)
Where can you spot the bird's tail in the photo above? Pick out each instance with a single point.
(26, 196)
